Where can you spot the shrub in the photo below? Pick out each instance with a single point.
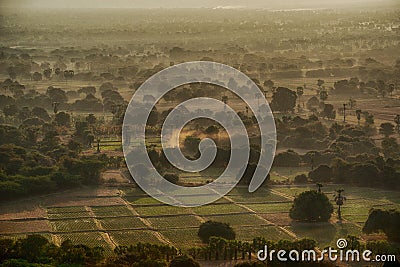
(311, 206)
(300, 179)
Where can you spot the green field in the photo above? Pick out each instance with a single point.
(262, 213)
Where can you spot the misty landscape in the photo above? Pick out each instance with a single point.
(329, 71)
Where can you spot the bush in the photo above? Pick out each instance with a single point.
(218, 229)
(287, 159)
(311, 206)
(300, 179)
(171, 177)
(184, 261)
(385, 221)
(322, 173)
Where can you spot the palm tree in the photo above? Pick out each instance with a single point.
(344, 112)
(319, 185)
(55, 107)
(320, 83)
(358, 114)
(397, 121)
(300, 92)
(323, 95)
(339, 199)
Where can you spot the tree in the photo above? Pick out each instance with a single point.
(386, 129)
(68, 74)
(390, 89)
(328, 112)
(323, 173)
(387, 221)
(300, 179)
(249, 173)
(10, 110)
(36, 76)
(339, 199)
(87, 90)
(184, 261)
(287, 159)
(153, 118)
(369, 118)
(217, 229)
(283, 100)
(171, 177)
(41, 113)
(269, 84)
(311, 206)
(91, 119)
(62, 119)
(323, 95)
(300, 92)
(32, 247)
(390, 147)
(191, 143)
(47, 73)
(320, 83)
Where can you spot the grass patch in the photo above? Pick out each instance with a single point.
(324, 233)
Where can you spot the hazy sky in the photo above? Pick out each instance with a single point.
(190, 3)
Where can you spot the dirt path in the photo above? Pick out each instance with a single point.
(146, 222)
(99, 226)
(288, 232)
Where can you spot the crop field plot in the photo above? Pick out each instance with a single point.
(248, 233)
(292, 191)
(201, 198)
(134, 236)
(7, 227)
(242, 195)
(161, 210)
(182, 238)
(67, 212)
(279, 218)
(270, 207)
(121, 223)
(238, 219)
(89, 239)
(356, 218)
(141, 200)
(19, 236)
(111, 211)
(72, 225)
(379, 195)
(175, 221)
(219, 209)
(324, 233)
